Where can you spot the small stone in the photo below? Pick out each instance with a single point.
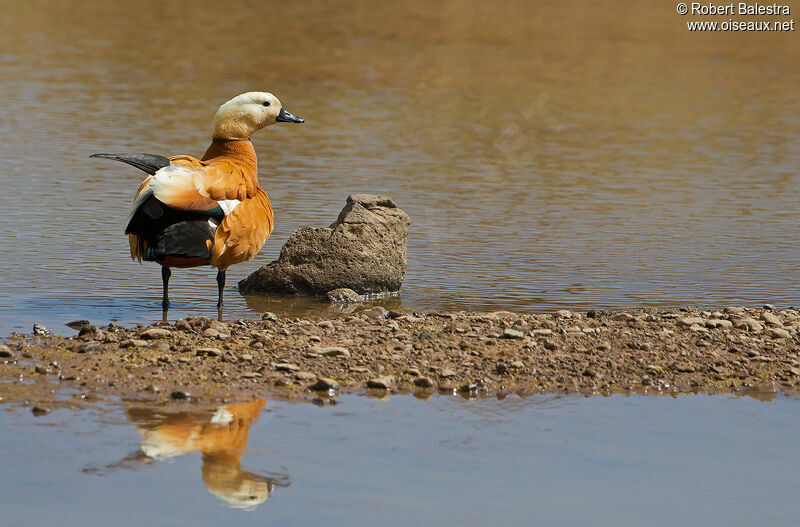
(588, 372)
(511, 333)
(604, 346)
(750, 324)
(382, 383)
(771, 319)
(445, 373)
(343, 295)
(5, 351)
(314, 338)
(91, 347)
(40, 330)
(752, 353)
(501, 368)
(468, 387)
(335, 351)
(211, 333)
(423, 382)
(208, 352)
(325, 324)
(89, 329)
(272, 317)
(414, 372)
(41, 370)
(733, 310)
(324, 384)
(563, 313)
(778, 333)
(518, 365)
(180, 395)
(250, 375)
(769, 307)
(39, 411)
(77, 324)
(697, 328)
(718, 323)
(690, 321)
(647, 381)
(623, 317)
(304, 376)
(155, 333)
(544, 331)
(374, 312)
(245, 357)
(182, 325)
(550, 345)
(285, 366)
(646, 346)
(359, 369)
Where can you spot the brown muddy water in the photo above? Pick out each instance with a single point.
(556, 461)
(551, 155)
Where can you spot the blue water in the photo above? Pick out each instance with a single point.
(545, 460)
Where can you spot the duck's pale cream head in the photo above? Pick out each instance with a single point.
(249, 112)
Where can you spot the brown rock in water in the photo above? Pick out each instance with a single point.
(363, 250)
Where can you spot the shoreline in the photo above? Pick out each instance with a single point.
(732, 350)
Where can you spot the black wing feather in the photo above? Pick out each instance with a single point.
(149, 163)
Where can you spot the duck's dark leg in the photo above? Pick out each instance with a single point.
(165, 274)
(220, 287)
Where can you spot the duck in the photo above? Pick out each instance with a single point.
(191, 212)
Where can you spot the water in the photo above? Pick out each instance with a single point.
(557, 155)
(690, 460)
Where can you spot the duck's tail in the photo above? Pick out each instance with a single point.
(149, 163)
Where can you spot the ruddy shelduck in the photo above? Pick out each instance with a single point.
(190, 212)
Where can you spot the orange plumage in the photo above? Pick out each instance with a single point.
(211, 211)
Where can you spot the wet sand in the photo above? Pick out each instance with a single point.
(383, 352)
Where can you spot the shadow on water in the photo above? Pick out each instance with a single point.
(220, 435)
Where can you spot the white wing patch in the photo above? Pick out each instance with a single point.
(227, 205)
(173, 176)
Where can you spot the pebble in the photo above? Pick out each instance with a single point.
(5, 351)
(304, 376)
(414, 372)
(335, 351)
(752, 353)
(468, 387)
(180, 395)
(314, 338)
(563, 313)
(647, 381)
(771, 319)
(250, 375)
(697, 328)
(359, 369)
(272, 317)
(324, 384)
(89, 329)
(325, 324)
(445, 373)
(155, 333)
(182, 325)
(604, 346)
(501, 368)
(343, 295)
(542, 332)
(39, 411)
(518, 365)
(733, 310)
(769, 307)
(718, 323)
(690, 321)
(423, 382)
(91, 347)
(40, 330)
(285, 366)
(511, 333)
(623, 317)
(77, 324)
(211, 333)
(375, 312)
(382, 383)
(750, 324)
(778, 333)
(208, 352)
(41, 370)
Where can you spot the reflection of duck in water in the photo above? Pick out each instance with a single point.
(220, 437)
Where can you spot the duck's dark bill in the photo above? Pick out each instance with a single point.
(286, 117)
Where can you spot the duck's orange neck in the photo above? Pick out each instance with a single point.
(240, 150)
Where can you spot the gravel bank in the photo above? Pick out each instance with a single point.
(474, 354)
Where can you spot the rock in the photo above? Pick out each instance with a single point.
(155, 333)
(604, 346)
(40, 330)
(501, 368)
(647, 381)
(41, 370)
(77, 324)
(325, 324)
(363, 250)
(779, 333)
(250, 375)
(563, 313)
(39, 411)
(445, 373)
(414, 372)
(690, 321)
(382, 383)
(91, 347)
(511, 333)
(374, 312)
(423, 382)
(285, 366)
(304, 376)
(718, 323)
(343, 295)
(623, 317)
(5, 351)
(89, 329)
(182, 325)
(324, 384)
(771, 319)
(272, 317)
(750, 324)
(542, 332)
(752, 353)
(769, 307)
(468, 388)
(588, 372)
(335, 351)
(208, 352)
(133, 343)
(180, 395)
(518, 365)
(733, 310)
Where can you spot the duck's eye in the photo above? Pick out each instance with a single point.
(265, 103)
